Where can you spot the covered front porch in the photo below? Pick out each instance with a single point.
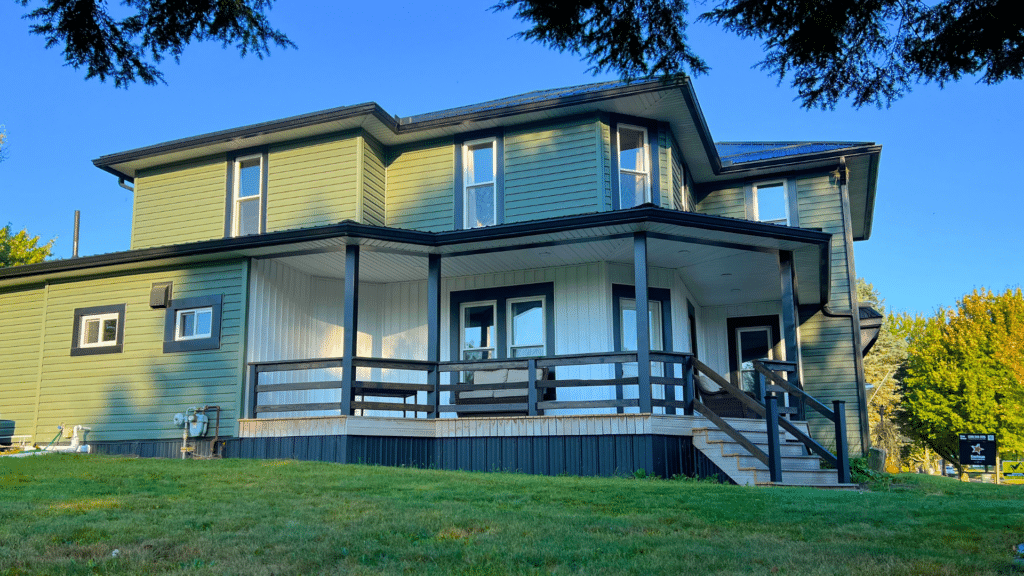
(660, 315)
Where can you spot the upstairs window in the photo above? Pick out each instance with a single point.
(247, 196)
(771, 203)
(634, 166)
(99, 330)
(479, 175)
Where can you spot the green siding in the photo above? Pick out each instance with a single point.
(313, 183)
(21, 323)
(726, 202)
(606, 151)
(374, 182)
(665, 169)
(820, 206)
(829, 373)
(135, 394)
(420, 187)
(676, 160)
(180, 203)
(551, 172)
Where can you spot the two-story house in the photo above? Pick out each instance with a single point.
(568, 281)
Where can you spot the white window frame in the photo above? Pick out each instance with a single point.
(647, 162)
(101, 318)
(462, 327)
(197, 311)
(785, 199)
(543, 325)
(236, 200)
(465, 180)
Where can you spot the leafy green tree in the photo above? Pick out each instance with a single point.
(20, 248)
(128, 49)
(881, 366)
(963, 374)
(870, 52)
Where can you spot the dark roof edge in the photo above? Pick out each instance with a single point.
(396, 127)
(867, 148)
(703, 131)
(869, 203)
(639, 215)
(292, 122)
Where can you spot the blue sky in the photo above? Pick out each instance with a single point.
(947, 209)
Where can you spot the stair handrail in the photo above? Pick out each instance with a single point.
(841, 459)
(724, 426)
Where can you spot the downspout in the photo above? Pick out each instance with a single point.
(854, 313)
(120, 182)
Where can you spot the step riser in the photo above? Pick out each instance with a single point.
(787, 450)
(801, 477)
(748, 425)
(796, 464)
(755, 437)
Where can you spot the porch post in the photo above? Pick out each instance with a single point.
(789, 322)
(434, 331)
(643, 321)
(348, 373)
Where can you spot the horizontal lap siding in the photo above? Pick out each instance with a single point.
(551, 172)
(665, 154)
(183, 203)
(374, 176)
(829, 373)
(21, 321)
(606, 153)
(678, 201)
(821, 207)
(312, 183)
(420, 187)
(727, 202)
(135, 394)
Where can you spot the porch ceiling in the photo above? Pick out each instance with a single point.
(715, 274)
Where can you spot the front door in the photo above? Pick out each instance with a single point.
(751, 338)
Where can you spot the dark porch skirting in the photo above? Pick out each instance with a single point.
(606, 455)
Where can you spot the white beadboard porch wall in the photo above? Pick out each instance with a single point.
(294, 315)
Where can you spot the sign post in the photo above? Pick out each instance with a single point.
(978, 450)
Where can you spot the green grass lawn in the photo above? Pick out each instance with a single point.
(66, 514)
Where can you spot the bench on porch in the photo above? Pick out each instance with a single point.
(505, 396)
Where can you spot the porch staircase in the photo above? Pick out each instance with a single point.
(798, 468)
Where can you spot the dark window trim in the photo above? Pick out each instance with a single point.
(212, 343)
(229, 203)
(663, 295)
(76, 328)
(731, 324)
(501, 295)
(459, 192)
(653, 137)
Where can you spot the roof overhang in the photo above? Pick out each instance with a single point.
(668, 227)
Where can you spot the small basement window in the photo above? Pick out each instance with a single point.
(193, 324)
(98, 330)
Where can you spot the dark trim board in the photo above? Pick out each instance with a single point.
(608, 455)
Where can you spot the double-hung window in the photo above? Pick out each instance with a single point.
(526, 333)
(480, 181)
(770, 201)
(247, 196)
(634, 165)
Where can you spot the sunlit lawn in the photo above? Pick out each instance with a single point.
(65, 514)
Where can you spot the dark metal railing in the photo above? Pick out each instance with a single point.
(533, 398)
